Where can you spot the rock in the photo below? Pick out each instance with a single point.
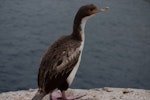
(91, 94)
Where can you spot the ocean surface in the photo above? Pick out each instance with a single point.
(117, 46)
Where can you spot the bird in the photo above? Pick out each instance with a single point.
(61, 60)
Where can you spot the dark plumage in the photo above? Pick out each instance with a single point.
(60, 62)
(57, 63)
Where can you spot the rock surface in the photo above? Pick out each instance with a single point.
(91, 94)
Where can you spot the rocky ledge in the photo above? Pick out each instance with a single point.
(91, 94)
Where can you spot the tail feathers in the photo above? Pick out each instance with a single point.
(38, 96)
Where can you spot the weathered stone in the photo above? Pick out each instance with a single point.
(91, 94)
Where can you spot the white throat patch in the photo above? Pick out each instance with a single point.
(83, 22)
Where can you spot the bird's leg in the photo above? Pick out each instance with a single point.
(64, 96)
(69, 98)
(55, 96)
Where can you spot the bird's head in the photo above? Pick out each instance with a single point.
(83, 14)
(90, 9)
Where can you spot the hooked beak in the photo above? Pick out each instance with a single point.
(103, 9)
(99, 10)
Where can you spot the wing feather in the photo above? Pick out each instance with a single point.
(57, 63)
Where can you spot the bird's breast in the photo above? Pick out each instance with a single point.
(74, 71)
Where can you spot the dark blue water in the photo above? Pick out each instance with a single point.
(117, 47)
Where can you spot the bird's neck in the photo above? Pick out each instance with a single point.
(78, 27)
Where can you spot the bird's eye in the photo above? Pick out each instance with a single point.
(91, 9)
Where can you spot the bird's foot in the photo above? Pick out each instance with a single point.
(55, 96)
(59, 96)
(70, 98)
